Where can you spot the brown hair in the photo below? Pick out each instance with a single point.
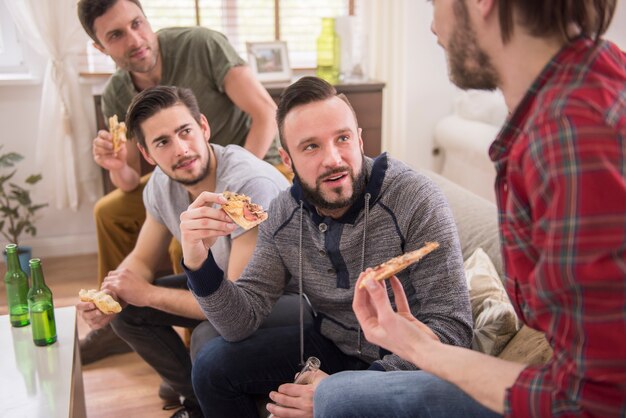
(150, 101)
(542, 17)
(304, 91)
(90, 10)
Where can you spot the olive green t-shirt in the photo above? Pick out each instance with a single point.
(196, 58)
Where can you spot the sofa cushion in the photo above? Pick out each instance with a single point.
(476, 220)
(482, 106)
(528, 346)
(495, 321)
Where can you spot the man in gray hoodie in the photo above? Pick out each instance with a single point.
(344, 213)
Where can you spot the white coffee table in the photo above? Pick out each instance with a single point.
(41, 381)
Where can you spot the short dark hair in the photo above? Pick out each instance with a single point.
(544, 18)
(90, 10)
(150, 101)
(304, 91)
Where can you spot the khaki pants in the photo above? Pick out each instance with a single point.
(119, 216)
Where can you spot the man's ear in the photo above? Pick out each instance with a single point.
(206, 128)
(359, 132)
(485, 7)
(99, 47)
(145, 154)
(284, 156)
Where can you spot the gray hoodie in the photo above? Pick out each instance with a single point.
(399, 211)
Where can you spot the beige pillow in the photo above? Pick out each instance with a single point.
(495, 321)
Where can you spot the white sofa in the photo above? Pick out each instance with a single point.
(463, 139)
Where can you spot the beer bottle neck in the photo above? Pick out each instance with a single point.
(37, 276)
(13, 262)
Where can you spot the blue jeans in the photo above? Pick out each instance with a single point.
(414, 394)
(227, 377)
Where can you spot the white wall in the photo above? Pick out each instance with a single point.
(429, 91)
(59, 232)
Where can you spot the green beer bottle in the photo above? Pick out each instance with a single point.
(17, 288)
(41, 307)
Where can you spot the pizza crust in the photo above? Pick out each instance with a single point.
(234, 208)
(102, 300)
(118, 132)
(397, 264)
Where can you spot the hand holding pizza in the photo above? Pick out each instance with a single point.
(109, 148)
(92, 315)
(200, 226)
(399, 332)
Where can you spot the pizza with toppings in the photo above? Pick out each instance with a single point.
(397, 264)
(241, 210)
(118, 132)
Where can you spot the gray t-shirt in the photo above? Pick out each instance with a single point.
(238, 171)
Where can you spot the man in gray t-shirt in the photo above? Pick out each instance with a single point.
(173, 135)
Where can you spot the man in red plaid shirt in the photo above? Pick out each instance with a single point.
(561, 193)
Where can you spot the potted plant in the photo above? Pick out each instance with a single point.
(17, 210)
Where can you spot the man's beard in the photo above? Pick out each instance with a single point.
(470, 66)
(314, 195)
(142, 66)
(193, 181)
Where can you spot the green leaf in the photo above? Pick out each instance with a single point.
(10, 159)
(33, 178)
(9, 211)
(22, 196)
(35, 208)
(7, 177)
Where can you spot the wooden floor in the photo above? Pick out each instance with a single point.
(118, 386)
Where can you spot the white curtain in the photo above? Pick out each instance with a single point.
(63, 151)
(386, 23)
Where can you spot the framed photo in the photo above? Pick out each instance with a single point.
(269, 60)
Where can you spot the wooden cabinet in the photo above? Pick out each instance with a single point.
(367, 101)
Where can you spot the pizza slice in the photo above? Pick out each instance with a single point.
(241, 210)
(397, 264)
(118, 132)
(102, 300)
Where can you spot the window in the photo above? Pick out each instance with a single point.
(297, 22)
(11, 57)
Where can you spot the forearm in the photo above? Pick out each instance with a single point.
(262, 132)
(237, 310)
(175, 301)
(221, 302)
(126, 178)
(484, 378)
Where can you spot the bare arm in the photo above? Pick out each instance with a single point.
(482, 377)
(250, 96)
(241, 253)
(132, 280)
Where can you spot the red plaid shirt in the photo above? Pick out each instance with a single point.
(561, 190)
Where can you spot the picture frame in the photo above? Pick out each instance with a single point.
(269, 60)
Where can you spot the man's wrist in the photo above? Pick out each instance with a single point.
(192, 265)
(207, 279)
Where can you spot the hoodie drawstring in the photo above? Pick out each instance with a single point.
(301, 293)
(367, 213)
